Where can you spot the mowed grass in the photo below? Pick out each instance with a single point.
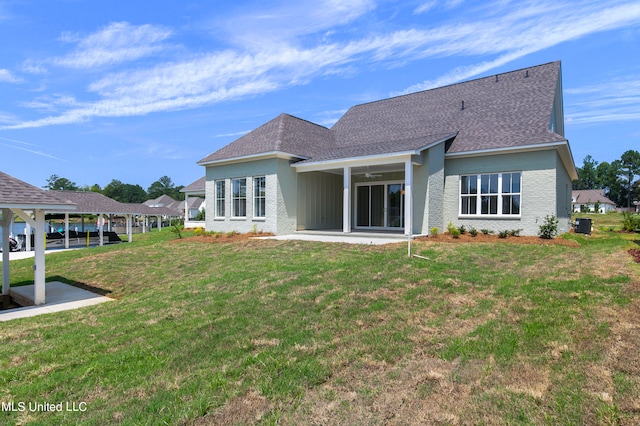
(273, 332)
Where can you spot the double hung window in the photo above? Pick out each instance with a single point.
(259, 196)
(496, 194)
(220, 198)
(239, 197)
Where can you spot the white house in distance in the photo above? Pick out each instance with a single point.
(488, 153)
(586, 200)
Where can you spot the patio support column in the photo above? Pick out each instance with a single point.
(129, 227)
(38, 267)
(6, 248)
(346, 200)
(100, 231)
(159, 218)
(186, 208)
(66, 230)
(408, 197)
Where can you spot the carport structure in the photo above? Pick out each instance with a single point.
(94, 203)
(29, 203)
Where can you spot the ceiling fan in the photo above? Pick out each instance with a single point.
(369, 175)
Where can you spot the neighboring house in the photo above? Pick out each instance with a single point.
(194, 204)
(166, 206)
(587, 199)
(488, 153)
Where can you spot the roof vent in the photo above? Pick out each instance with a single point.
(462, 105)
(526, 74)
(496, 78)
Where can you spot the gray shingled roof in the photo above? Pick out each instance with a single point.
(93, 202)
(590, 196)
(285, 133)
(511, 110)
(197, 186)
(19, 194)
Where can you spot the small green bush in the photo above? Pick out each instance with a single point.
(549, 228)
(453, 231)
(462, 229)
(515, 232)
(630, 222)
(434, 231)
(503, 234)
(486, 231)
(473, 231)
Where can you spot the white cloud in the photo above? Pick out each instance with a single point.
(527, 29)
(232, 74)
(425, 7)
(116, 43)
(7, 77)
(613, 101)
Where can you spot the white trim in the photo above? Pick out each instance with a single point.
(369, 160)
(251, 157)
(563, 148)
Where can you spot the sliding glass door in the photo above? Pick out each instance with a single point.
(380, 205)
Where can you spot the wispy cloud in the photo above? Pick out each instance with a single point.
(503, 33)
(528, 29)
(7, 77)
(613, 101)
(26, 146)
(116, 43)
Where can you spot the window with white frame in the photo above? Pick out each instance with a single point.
(496, 194)
(220, 198)
(239, 197)
(259, 196)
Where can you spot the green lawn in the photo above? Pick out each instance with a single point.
(273, 332)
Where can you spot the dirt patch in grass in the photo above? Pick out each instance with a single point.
(241, 410)
(635, 253)
(492, 238)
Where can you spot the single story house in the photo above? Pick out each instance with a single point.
(488, 153)
(588, 199)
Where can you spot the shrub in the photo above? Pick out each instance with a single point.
(473, 231)
(199, 231)
(462, 229)
(453, 231)
(630, 222)
(486, 231)
(503, 234)
(434, 231)
(549, 229)
(515, 232)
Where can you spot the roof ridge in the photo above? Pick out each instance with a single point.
(456, 84)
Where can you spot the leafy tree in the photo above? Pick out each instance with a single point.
(56, 182)
(125, 192)
(610, 182)
(165, 186)
(629, 167)
(93, 188)
(588, 177)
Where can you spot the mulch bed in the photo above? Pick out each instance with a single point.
(493, 238)
(636, 254)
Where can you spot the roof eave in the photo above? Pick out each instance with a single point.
(385, 158)
(251, 157)
(561, 146)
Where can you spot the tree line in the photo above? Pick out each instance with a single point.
(617, 179)
(122, 192)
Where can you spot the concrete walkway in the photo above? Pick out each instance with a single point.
(338, 237)
(58, 296)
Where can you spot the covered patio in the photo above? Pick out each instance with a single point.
(29, 203)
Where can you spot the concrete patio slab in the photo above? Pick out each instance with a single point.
(337, 237)
(59, 297)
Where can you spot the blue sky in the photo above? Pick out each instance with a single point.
(100, 90)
